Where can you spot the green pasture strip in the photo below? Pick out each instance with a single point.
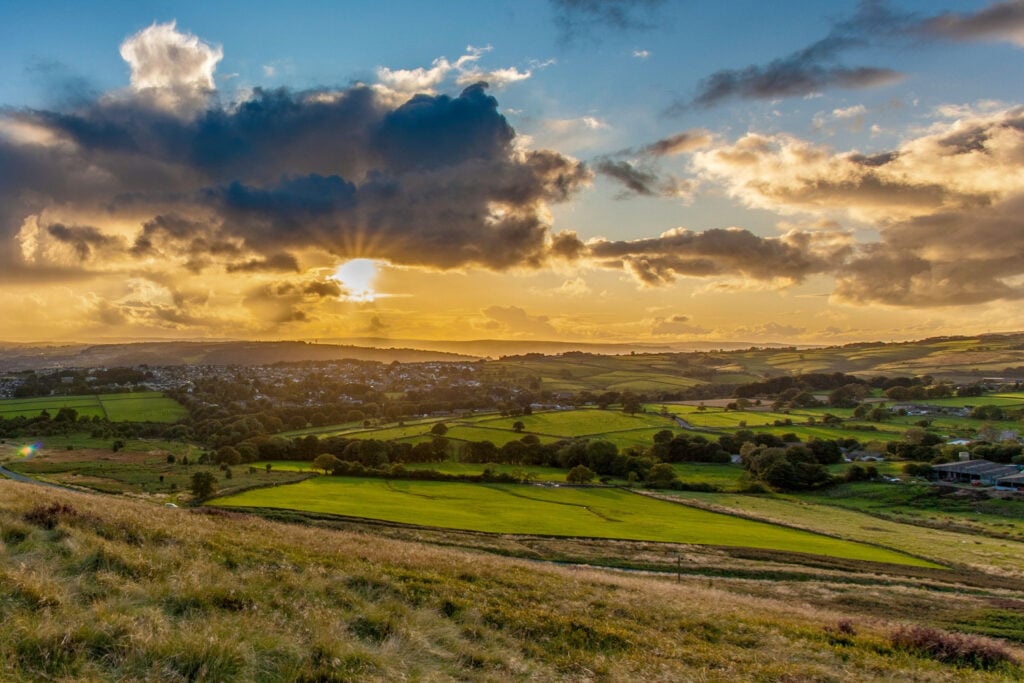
(590, 512)
(807, 433)
(809, 511)
(552, 474)
(718, 418)
(344, 428)
(724, 476)
(149, 406)
(589, 422)
(87, 406)
(1001, 400)
(392, 433)
(499, 437)
(142, 407)
(285, 465)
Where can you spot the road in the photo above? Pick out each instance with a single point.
(28, 480)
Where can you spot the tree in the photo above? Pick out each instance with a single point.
(440, 429)
(203, 484)
(326, 462)
(66, 415)
(661, 475)
(518, 426)
(581, 474)
(226, 455)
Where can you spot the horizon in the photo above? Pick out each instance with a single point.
(628, 173)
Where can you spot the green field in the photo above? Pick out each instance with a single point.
(144, 406)
(818, 512)
(514, 509)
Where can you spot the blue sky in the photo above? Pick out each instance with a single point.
(813, 167)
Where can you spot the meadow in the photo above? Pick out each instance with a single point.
(143, 406)
(514, 509)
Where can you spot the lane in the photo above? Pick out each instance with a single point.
(29, 480)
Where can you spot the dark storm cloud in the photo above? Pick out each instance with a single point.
(717, 252)
(811, 69)
(580, 18)
(998, 21)
(83, 239)
(435, 182)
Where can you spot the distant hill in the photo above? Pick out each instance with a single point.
(23, 357)
(495, 348)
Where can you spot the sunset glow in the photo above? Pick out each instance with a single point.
(549, 170)
(357, 277)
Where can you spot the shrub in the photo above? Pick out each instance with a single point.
(952, 648)
(49, 516)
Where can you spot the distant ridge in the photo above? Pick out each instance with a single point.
(494, 348)
(22, 357)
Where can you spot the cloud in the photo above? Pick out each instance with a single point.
(960, 165)
(999, 21)
(495, 78)
(575, 287)
(641, 54)
(275, 263)
(517, 321)
(375, 326)
(686, 141)
(808, 70)
(642, 181)
(947, 205)
(171, 69)
(731, 252)
(399, 84)
(436, 181)
(768, 331)
(583, 18)
(675, 325)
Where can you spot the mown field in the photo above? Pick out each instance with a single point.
(515, 509)
(144, 406)
(945, 543)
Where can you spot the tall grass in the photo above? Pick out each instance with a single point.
(96, 588)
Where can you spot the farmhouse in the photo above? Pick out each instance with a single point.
(1014, 481)
(977, 472)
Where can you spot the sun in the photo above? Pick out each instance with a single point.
(357, 277)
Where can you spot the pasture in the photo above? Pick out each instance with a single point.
(815, 512)
(515, 509)
(143, 406)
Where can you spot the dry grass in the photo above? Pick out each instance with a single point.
(96, 588)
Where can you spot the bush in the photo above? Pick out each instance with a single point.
(952, 648)
(48, 516)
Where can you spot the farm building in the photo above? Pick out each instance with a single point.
(1013, 481)
(978, 472)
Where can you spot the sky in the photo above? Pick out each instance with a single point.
(583, 170)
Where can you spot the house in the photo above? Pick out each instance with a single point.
(975, 472)
(1014, 482)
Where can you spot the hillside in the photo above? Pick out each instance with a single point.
(204, 353)
(101, 588)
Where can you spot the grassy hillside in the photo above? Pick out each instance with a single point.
(95, 588)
